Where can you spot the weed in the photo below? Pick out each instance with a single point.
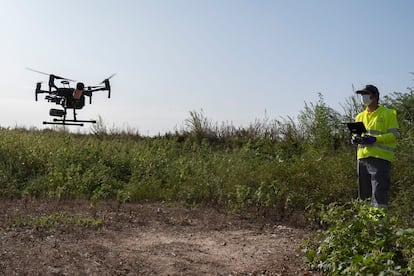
(62, 219)
(360, 240)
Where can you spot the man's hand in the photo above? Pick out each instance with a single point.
(368, 140)
(356, 140)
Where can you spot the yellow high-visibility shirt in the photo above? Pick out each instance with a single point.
(383, 124)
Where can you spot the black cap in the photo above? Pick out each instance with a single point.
(80, 86)
(369, 88)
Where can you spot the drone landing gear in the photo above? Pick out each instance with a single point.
(68, 122)
(64, 121)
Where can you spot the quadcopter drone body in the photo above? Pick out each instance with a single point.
(69, 98)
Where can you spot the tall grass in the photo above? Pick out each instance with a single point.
(284, 165)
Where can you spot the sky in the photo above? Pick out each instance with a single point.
(233, 60)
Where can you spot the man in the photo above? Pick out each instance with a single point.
(377, 149)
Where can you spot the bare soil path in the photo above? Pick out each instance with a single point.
(71, 238)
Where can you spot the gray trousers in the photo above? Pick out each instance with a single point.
(374, 177)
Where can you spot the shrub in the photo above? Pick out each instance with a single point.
(360, 240)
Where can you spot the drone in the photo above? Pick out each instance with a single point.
(69, 98)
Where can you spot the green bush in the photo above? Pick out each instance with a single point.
(360, 240)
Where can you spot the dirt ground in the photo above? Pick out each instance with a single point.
(72, 238)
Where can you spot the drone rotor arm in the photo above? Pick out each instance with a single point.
(106, 88)
(95, 89)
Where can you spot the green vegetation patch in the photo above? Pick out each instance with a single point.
(361, 240)
(61, 219)
(281, 165)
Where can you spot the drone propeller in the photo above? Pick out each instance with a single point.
(108, 78)
(54, 76)
(30, 69)
(62, 78)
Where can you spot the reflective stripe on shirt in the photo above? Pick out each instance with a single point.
(394, 131)
(378, 146)
(375, 132)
